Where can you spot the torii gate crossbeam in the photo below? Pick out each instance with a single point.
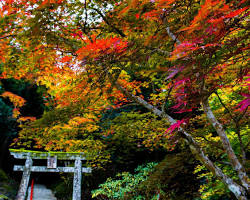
(52, 158)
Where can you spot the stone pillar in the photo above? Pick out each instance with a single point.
(77, 179)
(25, 179)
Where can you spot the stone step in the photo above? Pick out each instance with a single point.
(40, 192)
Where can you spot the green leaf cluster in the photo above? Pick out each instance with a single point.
(124, 183)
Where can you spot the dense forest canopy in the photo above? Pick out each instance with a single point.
(156, 74)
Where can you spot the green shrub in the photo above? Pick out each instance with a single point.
(124, 183)
(8, 187)
(3, 176)
(3, 197)
(63, 189)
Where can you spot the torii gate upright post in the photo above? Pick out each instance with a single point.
(25, 179)
(52, 158)
(77, 180)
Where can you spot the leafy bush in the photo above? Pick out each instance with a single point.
(124, 184)
(63, 188)
(211, 188)
(8, 187)
(3, 196)
(3, 176)
(172, 179)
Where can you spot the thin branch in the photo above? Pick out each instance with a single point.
(212, 143)
(225, 106)
(166, 53)
(163, 105)
(7, 36)
(173, 36)
(242, 115)
(83, 29)
(127, 105)
(238, 190)
(86, 14)
(247, 145)
(224, 162)
(243, 152)
(241, 194)
(107, 22)
(237, 166)
(236, 121)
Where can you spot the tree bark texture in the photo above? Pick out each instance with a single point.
(25, 179)
(237, 166)
(235, 188)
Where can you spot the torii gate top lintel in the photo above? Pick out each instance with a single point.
(52, 158)
(24, 154)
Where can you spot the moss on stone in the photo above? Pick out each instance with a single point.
(45, 155)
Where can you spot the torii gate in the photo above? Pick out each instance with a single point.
(52, 158)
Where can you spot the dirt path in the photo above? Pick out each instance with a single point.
(40, 192)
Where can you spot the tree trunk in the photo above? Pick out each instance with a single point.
(237, 166)
(237, 190)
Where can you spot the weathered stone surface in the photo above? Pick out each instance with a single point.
(25, 179)
(77, 180)
(51, 167)
(52, 162)
(45, 169)
(22, 154)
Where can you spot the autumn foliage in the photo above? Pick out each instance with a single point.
(184, 61)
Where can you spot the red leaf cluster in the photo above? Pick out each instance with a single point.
(100, 47)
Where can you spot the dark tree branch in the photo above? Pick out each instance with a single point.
(166, 99)
(238, 190)
(7, 36)
(232, 117)
(107, 22)
(237, 166)
(236, 121)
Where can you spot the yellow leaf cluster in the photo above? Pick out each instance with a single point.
(15, 99)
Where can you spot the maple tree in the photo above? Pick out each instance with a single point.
(93, 55)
